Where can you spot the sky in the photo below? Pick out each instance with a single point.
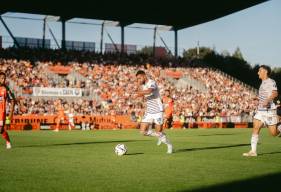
(256, 31)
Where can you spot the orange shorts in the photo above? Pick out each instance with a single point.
(2, 118)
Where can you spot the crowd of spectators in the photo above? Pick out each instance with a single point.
(112, 78)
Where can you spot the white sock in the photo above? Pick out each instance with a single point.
(254, 142)
(163, 138)
(151, 133)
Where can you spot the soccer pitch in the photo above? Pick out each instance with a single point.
(204, 160)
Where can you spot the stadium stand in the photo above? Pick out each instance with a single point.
(107, 82)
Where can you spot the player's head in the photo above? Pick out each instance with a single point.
(57, 102)
(141, 77)
(264, 72)
(167, 92)
(2, 78)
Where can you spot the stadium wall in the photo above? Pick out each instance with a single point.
(35, 122)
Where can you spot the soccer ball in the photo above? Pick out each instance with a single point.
(120, 149)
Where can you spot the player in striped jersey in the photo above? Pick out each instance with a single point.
(266, 111)
(154, 109)
(5, 96)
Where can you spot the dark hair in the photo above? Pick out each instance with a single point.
(2, 73)
(267, 68)
(140, 72)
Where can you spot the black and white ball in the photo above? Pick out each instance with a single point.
(120, 149)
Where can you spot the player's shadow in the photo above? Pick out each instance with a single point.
(268, 183)
(134, 154)
(208, 148)
(80, 143)
(224, 134)
(270, 153)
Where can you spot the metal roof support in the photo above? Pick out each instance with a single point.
(9, 31)
(176, 43)
(113, 43)
(122, 38)
(53, 36)
(154, 40)
(101, 36)
(44, 31)
(63, 34)
(166, 46)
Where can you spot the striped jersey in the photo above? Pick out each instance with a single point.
(153, 100)
(265, 90)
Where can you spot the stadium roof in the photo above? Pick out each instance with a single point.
(179, 14)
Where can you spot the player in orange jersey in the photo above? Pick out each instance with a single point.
(168, 109)
(5, 96)
(60, 114)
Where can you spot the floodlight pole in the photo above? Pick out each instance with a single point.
(154, 40)
(122, 39)
(9, 31)
(176, 43)
(101, 40)
(63, 34)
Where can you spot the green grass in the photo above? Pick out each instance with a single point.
(205, 160)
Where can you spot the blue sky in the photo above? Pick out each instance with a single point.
(256, 31)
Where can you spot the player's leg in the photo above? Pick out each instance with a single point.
(255, 138)
(3, 132)
(144, 129)
(165, 124)
(273, 130)
(144, 126)
(273, 126)
(70, 124)
(278, 126)
(159, 129)
(58, 120)
(158, 120)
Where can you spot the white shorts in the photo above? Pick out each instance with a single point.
(156, 118)
(267, 117)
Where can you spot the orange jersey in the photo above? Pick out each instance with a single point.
(5, 94)
(60, 110)
(3, 98)
(168, 106)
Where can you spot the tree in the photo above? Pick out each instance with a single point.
(147, 50)
(238, 54)
(225, 53)
(192, 53)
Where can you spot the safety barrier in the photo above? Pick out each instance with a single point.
(35, 122)
(206, 125)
